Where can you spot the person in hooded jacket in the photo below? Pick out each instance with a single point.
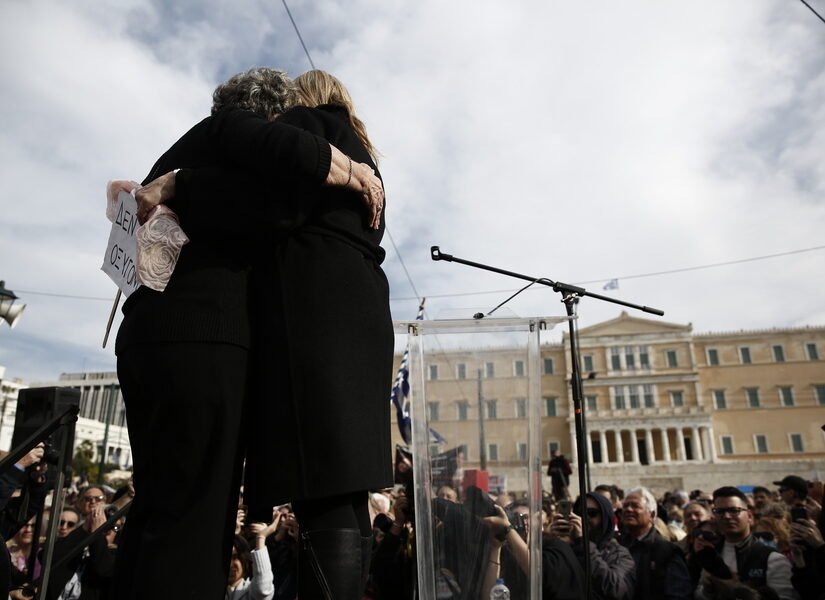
(612, 569)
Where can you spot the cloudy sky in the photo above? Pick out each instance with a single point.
(576, 141)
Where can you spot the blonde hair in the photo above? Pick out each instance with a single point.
(318, 87)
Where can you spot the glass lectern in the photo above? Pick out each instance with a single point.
(476, 409)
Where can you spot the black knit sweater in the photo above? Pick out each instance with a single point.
(231, 203)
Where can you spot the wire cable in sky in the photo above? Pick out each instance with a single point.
(653, 274)
(300, 39)
(401, 260)
(417, 297)
(812, 10)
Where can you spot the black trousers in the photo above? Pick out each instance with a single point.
(184, 404)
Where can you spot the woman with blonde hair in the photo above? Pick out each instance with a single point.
(316, 88)
(322, 359)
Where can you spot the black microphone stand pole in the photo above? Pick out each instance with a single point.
(570, 297)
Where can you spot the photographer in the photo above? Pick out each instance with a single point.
(809, 557)
(562, 576)
(612, 570)
(393, 566)
(90, 569)
(751, 562)
(30, 473)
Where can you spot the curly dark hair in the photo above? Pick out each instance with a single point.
(266, 92)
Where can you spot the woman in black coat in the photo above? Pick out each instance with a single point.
(183, 354)
(322, 361)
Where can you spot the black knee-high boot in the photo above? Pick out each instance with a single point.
(366, 558)
(331, 565)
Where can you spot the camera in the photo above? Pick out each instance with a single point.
(708, 535)
(798, 512)
(50, 455)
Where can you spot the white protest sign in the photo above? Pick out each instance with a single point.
(120, 260)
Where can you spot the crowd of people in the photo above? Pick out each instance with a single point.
(763, 543)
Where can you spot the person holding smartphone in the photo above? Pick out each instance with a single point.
(612, 569)
(752, 562)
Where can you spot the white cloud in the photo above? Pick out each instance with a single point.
(563, 140)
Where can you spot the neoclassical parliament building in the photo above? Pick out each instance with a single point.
(665, 407)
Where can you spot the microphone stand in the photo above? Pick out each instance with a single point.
(570, 297)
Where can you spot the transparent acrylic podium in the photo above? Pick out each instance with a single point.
(478, 384)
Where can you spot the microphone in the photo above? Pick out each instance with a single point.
(437, 254)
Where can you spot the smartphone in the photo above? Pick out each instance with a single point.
(798, 512)
(565, 508)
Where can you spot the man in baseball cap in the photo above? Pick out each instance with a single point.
(793, 489)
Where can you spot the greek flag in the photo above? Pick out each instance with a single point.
(613, 284)
(399, 396)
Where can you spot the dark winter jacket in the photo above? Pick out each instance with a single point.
(661, 571)
(612, 570)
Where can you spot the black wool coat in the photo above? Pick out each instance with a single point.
(322, 342)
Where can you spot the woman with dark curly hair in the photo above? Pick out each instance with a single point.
(183, 354)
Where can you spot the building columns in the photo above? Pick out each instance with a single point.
(680, 445)
(710, 447)
(697, 444)
(665, 445)
(603, 445)
(634, 447)
(617, 440)
(651, 455)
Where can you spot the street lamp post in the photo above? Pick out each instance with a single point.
(8, 311)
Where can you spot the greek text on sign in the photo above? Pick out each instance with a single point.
(120, 260)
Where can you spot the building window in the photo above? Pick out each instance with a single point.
(492, 451)
(492, 411)
(677, 399)
(490, 369)
(521, 449)
(753, 397)
(461, 371)
(433, 372)
(463, 409)
(727, 444)
(593, 402)
(745, 355)
(671, 358)
(786, 395)
(552, 446)
(819, 391)
(615, 359)
(713, 357)
(633, 395)
(629, 360)
(521, 408)
(795, 442)
(647, 393)
(618, 397)
(813, 353)
(548, 366)
(644, 357)
(549, 407)
(760, 443)
(432, 407)
(587, 361)
(719, 399)
(778, 353)
(518, 368)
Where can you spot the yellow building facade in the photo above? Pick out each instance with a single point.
(665, 407)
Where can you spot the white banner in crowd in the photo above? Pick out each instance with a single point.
(120, 260)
